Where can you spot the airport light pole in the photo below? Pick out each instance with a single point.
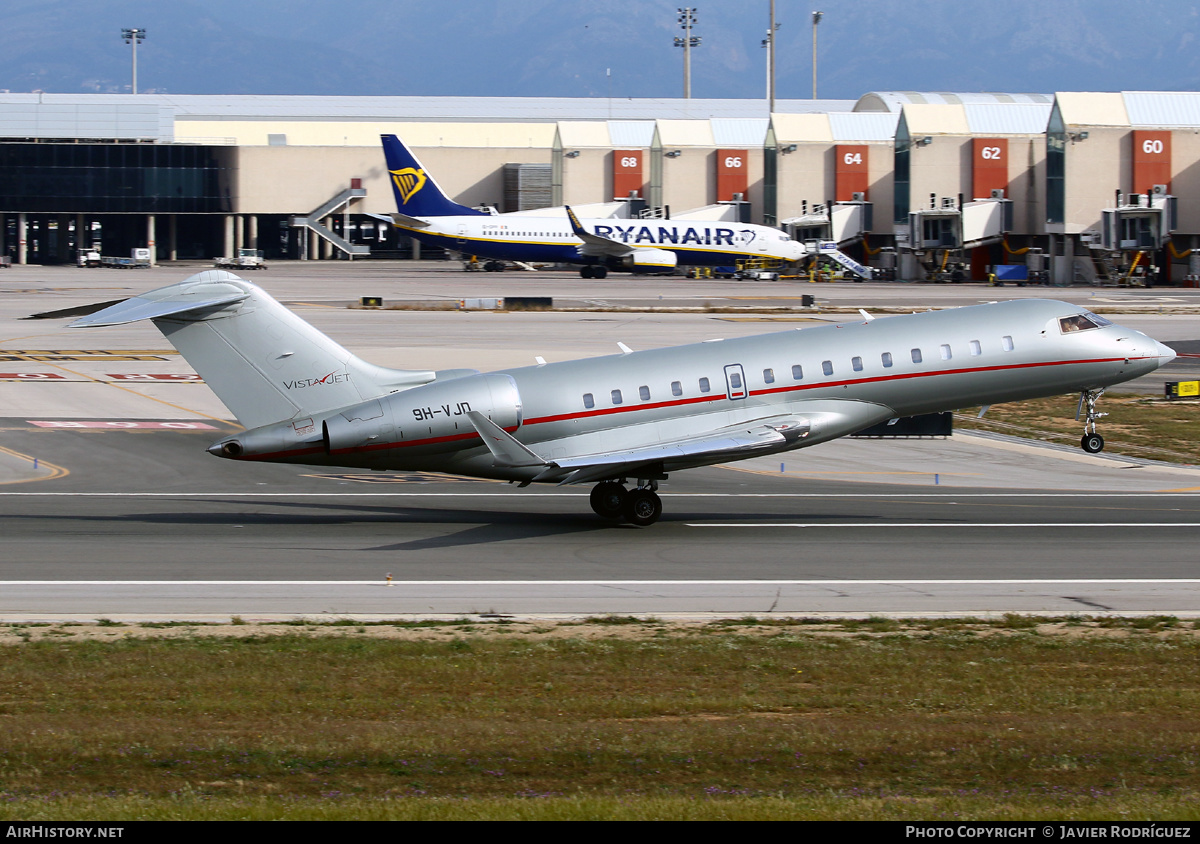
(687, 19)
(769, 43)
(133, 36)
(816, 19)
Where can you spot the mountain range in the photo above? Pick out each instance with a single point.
(598, 48)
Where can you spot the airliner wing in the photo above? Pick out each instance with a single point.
(735, 443)
(762, 435)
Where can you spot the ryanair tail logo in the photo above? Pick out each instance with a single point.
(408, 181)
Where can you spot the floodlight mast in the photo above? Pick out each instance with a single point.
(687, 19)
(816, 19)
(769, 43)
(133, 36)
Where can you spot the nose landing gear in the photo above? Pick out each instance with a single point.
(640, 506)
(1091, 441)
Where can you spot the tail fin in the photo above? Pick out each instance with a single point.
(417, 193)
(264, 362)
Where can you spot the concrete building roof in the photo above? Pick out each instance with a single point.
(739, 132)
(1082, 108)
(801, 128)
(864, 126)
(895, 100)
(205, 107)
(939, 119)
(627, 133)
(1007, 118)
(1161, 108)
(685, 133)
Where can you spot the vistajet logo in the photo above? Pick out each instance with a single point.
(334, 377)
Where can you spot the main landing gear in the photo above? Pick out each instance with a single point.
(640, 506)
(593, 271)
(1091, 442)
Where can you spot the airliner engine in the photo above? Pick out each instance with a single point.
(650, 260)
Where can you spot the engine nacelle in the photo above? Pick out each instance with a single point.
(650, 259)
(434, 414)
(430, 416)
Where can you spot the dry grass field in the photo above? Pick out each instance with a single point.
(1137, 426)
(1079, 718)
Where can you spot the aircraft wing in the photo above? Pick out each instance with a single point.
(733, 443)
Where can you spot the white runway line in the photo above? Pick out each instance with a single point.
(395, 583)
(943, 524)
(516, 494)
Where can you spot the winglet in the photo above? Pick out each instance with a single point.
(505, 449)
(576, 227)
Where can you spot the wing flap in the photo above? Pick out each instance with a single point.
(719, 446)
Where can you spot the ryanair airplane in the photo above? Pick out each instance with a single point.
(637, 246)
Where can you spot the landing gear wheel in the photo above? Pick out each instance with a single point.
(586, 271)
(608, 499)
(1091, 442)
(493, 267)
(642, 507)
(599, 272)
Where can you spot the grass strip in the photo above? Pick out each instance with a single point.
(877, 718)
(1151, 428)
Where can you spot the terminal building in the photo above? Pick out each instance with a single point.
(1072, 187)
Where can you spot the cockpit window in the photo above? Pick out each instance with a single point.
(1079, 322)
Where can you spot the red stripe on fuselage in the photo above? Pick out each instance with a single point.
(587, 414)
(899, 376)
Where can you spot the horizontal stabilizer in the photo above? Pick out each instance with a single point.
(409, 222)
(164, 302)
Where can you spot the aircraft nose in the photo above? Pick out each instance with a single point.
(1165, 354)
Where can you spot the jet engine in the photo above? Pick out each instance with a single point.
(649, 260)
(433, 414)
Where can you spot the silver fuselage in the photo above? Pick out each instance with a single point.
(838, 378)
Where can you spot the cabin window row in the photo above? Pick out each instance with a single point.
(617, 397)
(946, 352)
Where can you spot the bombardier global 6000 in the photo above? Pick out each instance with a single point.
(630, 417)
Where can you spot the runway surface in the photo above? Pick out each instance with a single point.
(117, 521)
(215, 540)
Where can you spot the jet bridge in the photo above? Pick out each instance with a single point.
(1134, 232)
(826, 229)
(960, 225)
(942, 237)
(844, 223)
